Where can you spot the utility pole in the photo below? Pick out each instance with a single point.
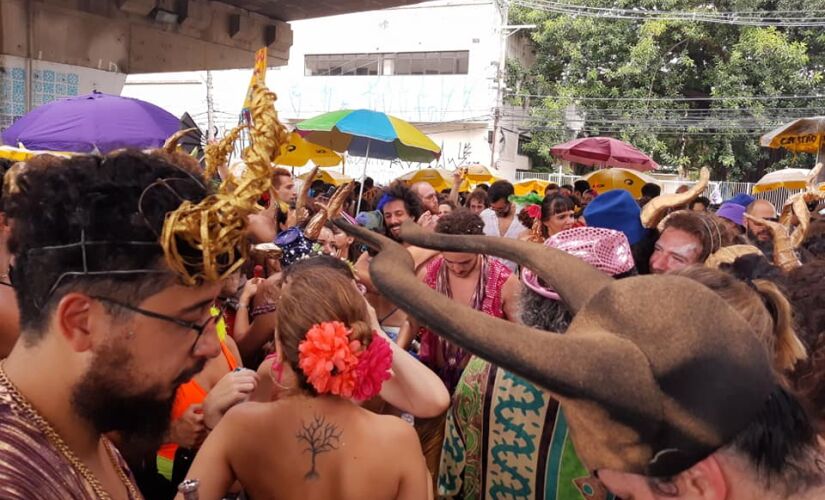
(210, 109)
(504, 5)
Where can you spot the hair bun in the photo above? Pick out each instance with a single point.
(361, 331)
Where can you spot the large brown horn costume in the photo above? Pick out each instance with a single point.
(618, 375)
(171, 144)
(330, 211)
(784, 255)
(303, 196)
(656, 209)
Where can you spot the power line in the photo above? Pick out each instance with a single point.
(783, 18)
(818, 95)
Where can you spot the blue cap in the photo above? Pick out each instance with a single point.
(732, 212)
(741, 199)
(617, 210)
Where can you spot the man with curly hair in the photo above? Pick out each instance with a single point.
(397, 204)
(108, 332)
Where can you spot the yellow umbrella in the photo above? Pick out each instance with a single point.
(328, 176)
(439, 178)
(618, 178)
(804, 135)
(788, 178)
(297, 152)
(22, 154)
(479, 174)
(524, 187)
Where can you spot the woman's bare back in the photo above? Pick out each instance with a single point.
(321, 447)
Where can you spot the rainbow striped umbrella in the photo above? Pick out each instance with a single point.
(369, 134)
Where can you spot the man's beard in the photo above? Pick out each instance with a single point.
(766, 247)
(105, 397)
(391, 235)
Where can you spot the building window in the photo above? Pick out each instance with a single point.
(455, 62)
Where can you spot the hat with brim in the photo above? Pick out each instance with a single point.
(605, 249)
(650, 383)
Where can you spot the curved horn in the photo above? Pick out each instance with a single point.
(655, 210)
(542, 357)
(303, 196)
(574, 280)
(810, 181)
(784, 255)
(800, 209)
(171, 143)
(330, 211)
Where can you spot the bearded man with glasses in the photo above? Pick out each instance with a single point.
(108, 330)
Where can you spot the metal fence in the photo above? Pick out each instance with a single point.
(716, 192)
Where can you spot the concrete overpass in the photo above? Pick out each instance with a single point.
(139, 36)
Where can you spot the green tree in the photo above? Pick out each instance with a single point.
(587, 57)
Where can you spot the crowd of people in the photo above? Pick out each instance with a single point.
(404, 343)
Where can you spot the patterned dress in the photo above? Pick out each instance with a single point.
(507, 438)
(30, 465)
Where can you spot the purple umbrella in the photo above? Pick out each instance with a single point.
(94, 122)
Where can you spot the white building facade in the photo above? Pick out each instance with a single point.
(433, 64)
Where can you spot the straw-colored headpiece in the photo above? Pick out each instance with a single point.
(217, 225)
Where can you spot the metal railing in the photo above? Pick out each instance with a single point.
(717, 191)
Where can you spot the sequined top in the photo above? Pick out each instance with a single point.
(30, 465)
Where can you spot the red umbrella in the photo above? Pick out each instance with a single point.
(604, 152)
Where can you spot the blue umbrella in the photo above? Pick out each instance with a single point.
(93, 122)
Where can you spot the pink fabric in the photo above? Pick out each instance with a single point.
(605, 249)
(492, 304)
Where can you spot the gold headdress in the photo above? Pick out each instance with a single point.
(217, 225)
(729, 254)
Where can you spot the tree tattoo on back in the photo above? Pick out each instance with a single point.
(320, 437)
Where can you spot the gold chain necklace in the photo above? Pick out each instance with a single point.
(56, 441)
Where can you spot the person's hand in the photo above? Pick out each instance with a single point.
(250, 289)
(272, 287)
(428, 220)
(458, 176)
(235, 387)
(189, 430)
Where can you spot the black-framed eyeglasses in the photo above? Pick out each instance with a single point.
(191, 325)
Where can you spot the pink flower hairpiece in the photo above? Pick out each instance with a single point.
(334, 364)
(534, 211)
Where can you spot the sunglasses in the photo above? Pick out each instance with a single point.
(199, 328)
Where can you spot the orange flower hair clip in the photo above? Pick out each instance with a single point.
(336, 365)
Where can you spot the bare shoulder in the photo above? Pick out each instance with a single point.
(247, 415)
(395, 430)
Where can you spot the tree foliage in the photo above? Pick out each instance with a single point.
(611, 58)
